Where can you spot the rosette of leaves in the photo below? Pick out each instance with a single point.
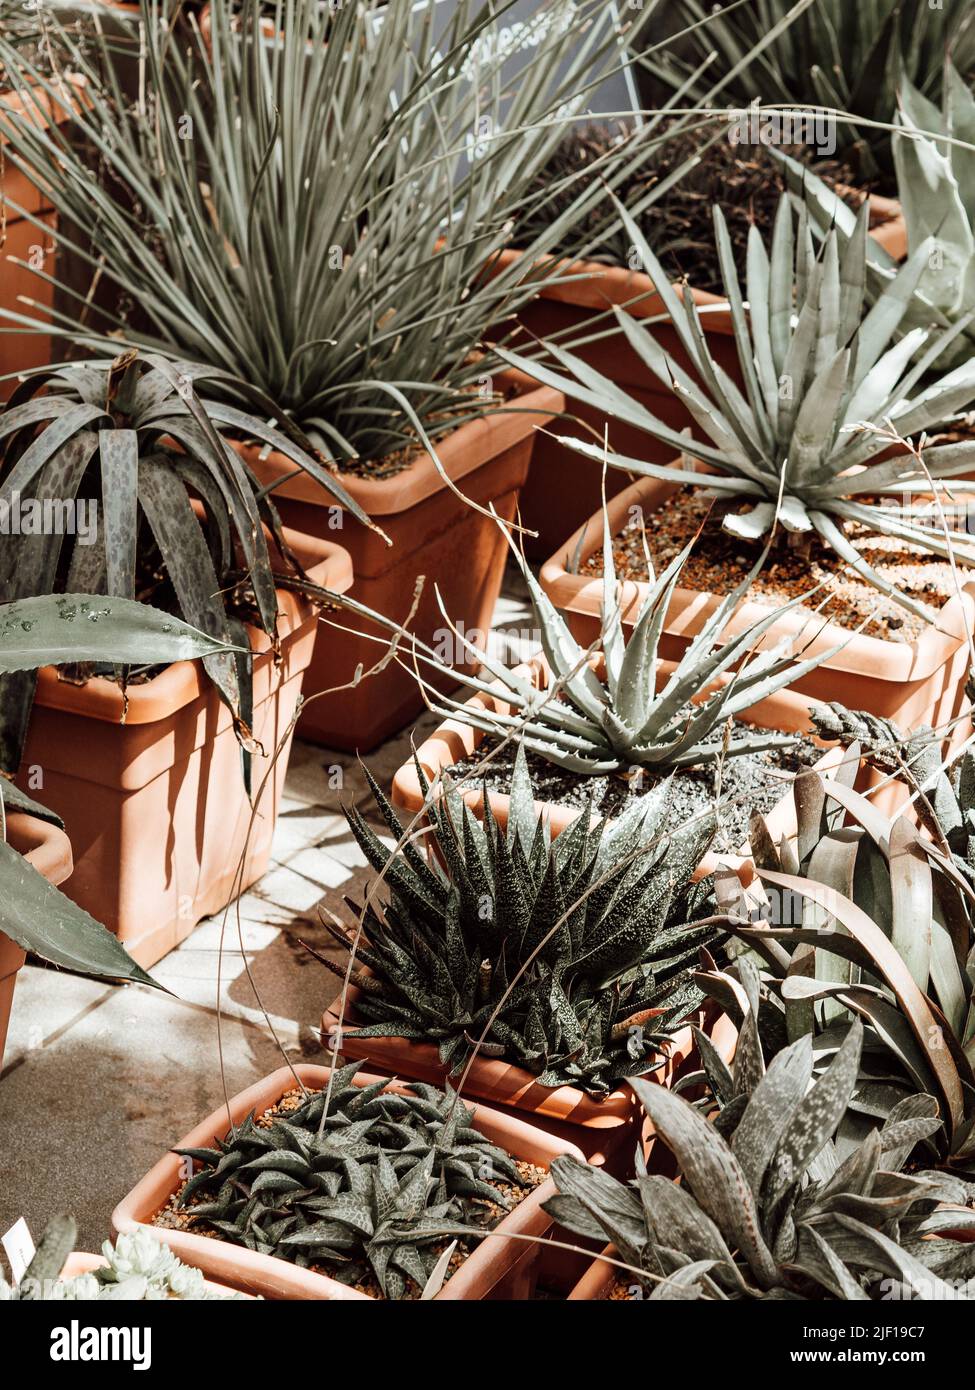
(864, 918)
(67, 628)
(567, 956)
(361, 1180)
(767, 1205)
(826, 376)
(137, 1268)
(138, 436)
(626, 717)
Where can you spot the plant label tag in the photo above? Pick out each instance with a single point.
(19, 1248)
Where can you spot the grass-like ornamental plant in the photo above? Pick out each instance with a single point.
(770, 1203)
(567, 956)
(138, 1268)
(867, 917)
(826, 378)
(137, 437)
(360, 1180)
(317, 236)
(619, 719)
(51, 629)
(851, 58)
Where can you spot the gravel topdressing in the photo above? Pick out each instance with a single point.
(719, 561)
(750, 782)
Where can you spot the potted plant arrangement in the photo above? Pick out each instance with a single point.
(347, 1186)
(35, 853)
(372, 341)
(136, 443)
(693, 165)
(817, 454)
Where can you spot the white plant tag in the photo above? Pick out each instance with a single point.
(18, 1246)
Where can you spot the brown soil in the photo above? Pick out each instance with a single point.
(720, 560)
(173, 1217)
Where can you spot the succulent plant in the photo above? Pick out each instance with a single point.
(137, 1268)
(51, 629)
(570, 955)
(138, 436)
(619, 719)
(360, 1180)
(766, 1206)
(260, 216)
(867, 917)
(825, 382)
(824, 53)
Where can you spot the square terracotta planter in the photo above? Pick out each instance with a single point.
(48, 849)
(921, 682)
(433, 533)
(563, 487)
(150, 786)
(497, 1267)
(24, 240)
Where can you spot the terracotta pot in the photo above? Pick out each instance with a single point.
(453, 741)
(920, 682)
(80, 1262)
(48, 849)
(497, 1267)
(563, 488)
(24, 240)
(155, 806)
(434, 533)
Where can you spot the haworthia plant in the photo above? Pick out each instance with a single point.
(567, 956)
(72, 627)
(136, 1268)
(825, 379)
(864, 916)
(767, 1206)
(131, 440)
(622, 712)
(359, 1181)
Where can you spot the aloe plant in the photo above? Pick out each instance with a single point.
(137, 1268)
(850, 58)
(566, 956)
(767, 1205)
(360, 1180)
(140, 436)
(321, 247)
(865, 916)
(825, 379)
(76, 627)
(604, 723)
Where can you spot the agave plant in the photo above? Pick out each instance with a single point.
(566, 956)
(766, 1206)
(870, 920)
(326, 249)
(825, 382)
(68, 628)
(620, 719)
(820, 53)
(361, 1180)
(139, 437)
(137, 1268)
